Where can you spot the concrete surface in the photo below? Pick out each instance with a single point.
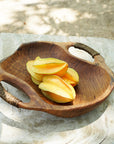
(21, 126)
(58, 17)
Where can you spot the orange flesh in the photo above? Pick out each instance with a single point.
(56, 80)
(49, 68)
(71, 77)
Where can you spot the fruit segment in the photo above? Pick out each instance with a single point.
(49, 66)
(54, 78)
(56, 89)
(29, 67)
(71, 77)
(55, 97)
(62, 71)
(35, 81)
(41, 61)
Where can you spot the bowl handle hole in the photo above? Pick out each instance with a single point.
(16, 92)
(80, 54)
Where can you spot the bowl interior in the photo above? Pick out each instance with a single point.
(93, 80)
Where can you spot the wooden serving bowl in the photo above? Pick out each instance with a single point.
(96, 79)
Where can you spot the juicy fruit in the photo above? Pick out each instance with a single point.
(36, 76)
(56, 89)
(54, 78)
(49, 66)
(71, 77)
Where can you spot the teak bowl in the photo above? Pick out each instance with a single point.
(96, 79)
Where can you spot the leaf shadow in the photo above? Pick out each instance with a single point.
(79, 18)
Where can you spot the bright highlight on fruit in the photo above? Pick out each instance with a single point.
(49, 66)
(54, 78)
(56, 89)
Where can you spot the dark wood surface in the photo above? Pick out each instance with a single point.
(96, 79)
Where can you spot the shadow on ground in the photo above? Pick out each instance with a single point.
(80, 18)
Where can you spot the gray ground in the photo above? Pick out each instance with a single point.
(58, 17)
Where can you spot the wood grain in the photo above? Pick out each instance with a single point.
(95, 84)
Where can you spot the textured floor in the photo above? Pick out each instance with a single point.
(58, 17)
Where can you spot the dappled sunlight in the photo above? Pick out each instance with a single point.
(87, 15)
(58, 17)
(6, 19)
(43, 28)
(104, 6)
(63, 15)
